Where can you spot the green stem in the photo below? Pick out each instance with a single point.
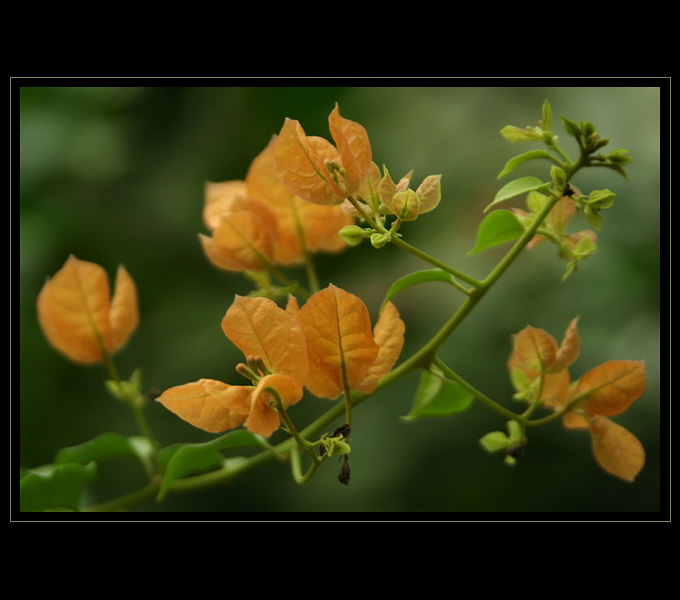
(280, 409)
(412, 249)
(562, 153)
(145, 494)
(143, 424)
(437, 263)
(297, 470)
(285, 280)
(475, 392)
(312, 278)
(135, 405)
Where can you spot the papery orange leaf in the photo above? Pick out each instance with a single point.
(76, 314)
(352, 141)
(219, 199)
(561, 213)
(302, 226)
(124, 312)
(429, 193)
(209, 404)
(616, 449)
(555, 390)
(300, 163)
(217, 257)
(388, 333)
(292, 306)
(259, 327)
(533, 349)
(340, 343)
(242, 240)
(574, 420)
(406, 205)
(569, 349)
(612, 387)
(263, 419)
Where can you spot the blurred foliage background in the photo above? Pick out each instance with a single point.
(116, 174)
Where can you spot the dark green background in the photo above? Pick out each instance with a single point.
(116, 174)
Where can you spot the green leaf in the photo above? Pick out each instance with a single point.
(495, 441)
(617, 168)
(593, 216)
(558, 175)
(189, 459)
(522, 158)
(517, 134)
(414, 279)
(546, 116)
(570, 127)
(54, 487)
(107, 445)
(517, 187)
(536, 202)
(438, 397)
(619, 157)
(498, 227)
(601, 199)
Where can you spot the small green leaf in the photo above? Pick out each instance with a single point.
(517, 134)
(414, 279)
(601, 199)
(498, 227)
(593, 216)
(536, 202)
(546, 116)
(617, 168)
(558, 175)
(619, 157)
(515, 432)
(495, 441)
(195, 458)
(517, 187)
(522, 158)
(438, 397)
(105, 446)
(54, 487)
(570, 127)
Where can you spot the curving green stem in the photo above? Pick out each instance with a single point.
(475, 392)
(412, 249)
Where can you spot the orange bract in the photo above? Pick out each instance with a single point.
(209, 404)
(78, 316)
(262, 331)
(612, 387)
(245, 233)
(616, 449)
(341, 348)
(608, 389)
(259, 327)
(327, 342)
(259, 221)
(302, 226)
(315, 170)
(389, 335)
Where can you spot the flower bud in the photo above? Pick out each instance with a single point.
(378, 240)
(354, 235)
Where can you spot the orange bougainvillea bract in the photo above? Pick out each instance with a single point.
(261, 330)
(606, 390)
(259, 221)
(78, 315)
(315, 170)
(321, 346)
